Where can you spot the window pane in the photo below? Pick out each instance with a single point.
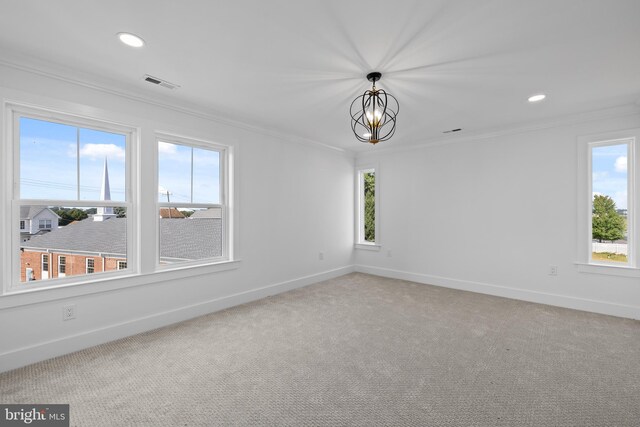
(174, 173)
(80, 241)
(96, 149)
(206, 176)
(190, 234)
(48, 160)
(610, 199)
(369, 206)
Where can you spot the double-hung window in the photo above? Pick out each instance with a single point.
(608, 200)
(77, 171)
(193, 214)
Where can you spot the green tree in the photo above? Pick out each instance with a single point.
(370, 207)
(120, 211)
(68, 215)
(607, 223)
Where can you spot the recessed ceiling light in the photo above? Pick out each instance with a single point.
(537, 98)
(131, 39)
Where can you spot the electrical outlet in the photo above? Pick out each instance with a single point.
(69, 312)
(320, 256)
(553, 270)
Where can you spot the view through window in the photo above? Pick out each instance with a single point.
(190, 199)
(367, 206)
(72, 198)
(610, 202)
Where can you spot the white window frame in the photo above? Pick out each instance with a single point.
(86, 265)
(586, 144)
(44, 224)
(225, 202)
(13, 113)
(360, 242)
(44, 263)
(62, 258)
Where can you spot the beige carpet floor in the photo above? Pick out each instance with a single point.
(357, 350)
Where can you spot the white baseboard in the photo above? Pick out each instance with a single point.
(602, 307)
(47, 350)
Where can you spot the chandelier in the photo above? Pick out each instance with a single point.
(373, 114)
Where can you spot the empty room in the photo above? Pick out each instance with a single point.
(320, 213)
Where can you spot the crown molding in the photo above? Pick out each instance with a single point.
(567, 120)
(67, 76)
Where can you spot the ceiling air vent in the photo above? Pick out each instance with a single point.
(160, 82)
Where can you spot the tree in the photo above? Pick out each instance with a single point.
(68, 215)
(370, 207)
(607, 223)
(120, 212)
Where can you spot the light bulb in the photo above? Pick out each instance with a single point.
(366, 135)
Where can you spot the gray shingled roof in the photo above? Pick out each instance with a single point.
(207, 213)
(181, 239)
(28, 212)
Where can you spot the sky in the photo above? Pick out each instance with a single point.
(609, 169)
(49, 167)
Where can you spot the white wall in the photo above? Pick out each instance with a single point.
(491, 215)
(293, 201)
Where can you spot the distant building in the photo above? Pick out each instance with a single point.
(100, 244)
(207, 213)
(170, 213)
(85, 247)
(36, 220)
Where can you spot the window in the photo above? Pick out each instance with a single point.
(62, 266)
(45, 266)
(367, 211)
(22, 225)
(610, 201)
(192, 201)
(44, 224)
(608, 223)
(74, 174)
(90, 267)
(122, 265)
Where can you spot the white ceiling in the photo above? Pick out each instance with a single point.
(294, 66)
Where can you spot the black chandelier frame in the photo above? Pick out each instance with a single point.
(373, 114)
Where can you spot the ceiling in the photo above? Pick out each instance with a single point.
(293, 67)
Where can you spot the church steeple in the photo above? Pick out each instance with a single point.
(104, 213)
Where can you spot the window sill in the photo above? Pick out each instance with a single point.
(20, 297)
(368, 246)
(607, 269)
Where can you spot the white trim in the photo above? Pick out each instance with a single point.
(494, 134)
(13, 112)
(225, 195)
(199, 111)
(86, 265)
(107, 282)
(35, 353)
(359, 204)
(368, 246)
(566, 301)
(60, 256)
(585, 144)
(607, 269)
